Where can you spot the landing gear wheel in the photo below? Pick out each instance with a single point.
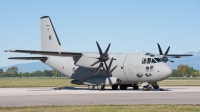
(123, 87)
(91, 87)
(101, 87)
(147, 88)
(135, 87)
(114, 87)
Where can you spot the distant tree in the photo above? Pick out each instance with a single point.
(55, 73)
(195, 74)
(176, 73)
(12, 70)
(1, 71)
(182, 69)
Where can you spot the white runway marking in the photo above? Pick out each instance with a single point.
(83, 96)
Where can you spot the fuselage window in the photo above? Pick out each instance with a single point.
(158, 60)
(151, 68)
(147, 68)
(153, 61)
(148, 60)
(143, 60)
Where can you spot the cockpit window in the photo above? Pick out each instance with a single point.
(147, 53)
(143, 60)
(148, 60)
(153, 61)
(158, 60)
(162, 59)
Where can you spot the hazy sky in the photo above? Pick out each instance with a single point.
(129, 25)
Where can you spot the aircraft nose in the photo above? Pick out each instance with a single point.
(166, 71)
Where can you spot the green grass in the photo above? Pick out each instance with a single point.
(32, 82)
(106, 108)
(180, 82)
(54, 82)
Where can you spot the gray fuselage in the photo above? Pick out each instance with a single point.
(130, 68)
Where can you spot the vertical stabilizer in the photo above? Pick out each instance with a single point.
(49, 38)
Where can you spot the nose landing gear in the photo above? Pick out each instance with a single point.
(147, 88)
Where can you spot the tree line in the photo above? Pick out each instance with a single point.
(185, 71)
(13, 72)
(181, 71)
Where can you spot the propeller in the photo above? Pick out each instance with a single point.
(103, 57)
(165, 59)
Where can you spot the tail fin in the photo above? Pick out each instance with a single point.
(49, 38)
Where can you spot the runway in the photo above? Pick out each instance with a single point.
(83, 96)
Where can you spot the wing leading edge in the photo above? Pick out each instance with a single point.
(51, 53)
(29, 58)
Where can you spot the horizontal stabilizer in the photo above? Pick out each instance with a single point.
(29, 58)
(51, 53)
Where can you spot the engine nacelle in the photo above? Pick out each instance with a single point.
(88, 60)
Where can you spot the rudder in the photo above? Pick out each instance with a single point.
(49, 38)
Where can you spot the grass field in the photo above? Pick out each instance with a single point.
(106, 108)
(54, 82)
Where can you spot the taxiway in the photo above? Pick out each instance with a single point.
(83, 96)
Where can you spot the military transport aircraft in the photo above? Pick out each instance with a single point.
(103, 68)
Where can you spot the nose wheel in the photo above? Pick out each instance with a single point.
(147, 88)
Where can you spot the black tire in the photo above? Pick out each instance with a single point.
(123, 87)
(135, 87)
(114, 87)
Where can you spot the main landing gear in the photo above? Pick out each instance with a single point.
(135, 87)
(99, 87)
(114, 87)
(125, 86)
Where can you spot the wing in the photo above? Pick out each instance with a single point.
(50, 53)
(178, 55)
(29, 58)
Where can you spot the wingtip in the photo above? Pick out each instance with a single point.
(9, 50)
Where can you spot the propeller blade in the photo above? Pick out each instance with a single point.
(100, 65)
(106, 68)
(113, 69)
(110, 63)
(167, 51)
(106, 52)
(99, 48)
(95, 63)
(160, 50)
